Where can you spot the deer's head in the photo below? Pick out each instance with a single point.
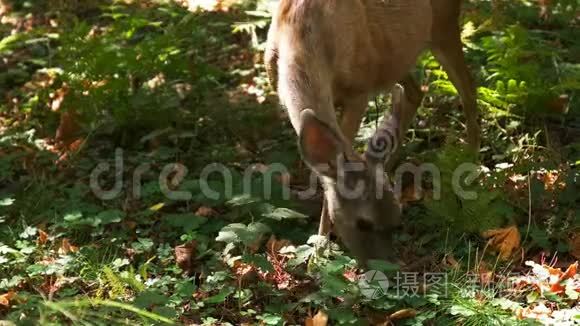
(360, 200)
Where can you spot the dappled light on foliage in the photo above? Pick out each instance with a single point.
(552, 293)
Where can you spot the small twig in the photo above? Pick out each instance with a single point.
(529, 206)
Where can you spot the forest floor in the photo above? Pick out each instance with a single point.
(140, 181)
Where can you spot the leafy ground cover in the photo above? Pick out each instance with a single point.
(117, 117)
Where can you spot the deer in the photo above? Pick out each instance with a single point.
(326, 57)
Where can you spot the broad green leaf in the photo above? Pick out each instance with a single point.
(457, 310)
(73, 216)
(280, 214)
(303, 253)
(150, 298)
(270, 319)
(6, 201)
(110, 217)
(28, 232)
(220, 297)
(259, 261)
(188, 222)
(383, 266)
(227, 237)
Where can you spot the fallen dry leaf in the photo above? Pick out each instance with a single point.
(205, 211)
(557, 288)
(560, 104)
(320, 319)
(403, 314)
(274, 245)
(569, 273)
(68, 129)
(66, 247)
(544, 8)
(42, 237)
(50, 285)
(411, 194)
(538, 312)
(4, 8)
(351, 275)
(247, 274)
(71, 146)
(58, 97)
(6, 297)
(185, 256)
(504, 241)
(545, 278)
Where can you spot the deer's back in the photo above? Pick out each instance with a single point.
(358, 45)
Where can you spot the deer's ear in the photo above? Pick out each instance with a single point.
(320, 146)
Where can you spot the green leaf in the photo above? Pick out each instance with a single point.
(259, 261)
(532, 297)
(571, 292)
(258, 228)
(343, 316)
(142, 245)
(6, 201)
(150, 298)
(28, 232)
(6, 42)
(280, 214)
(156, 207)
(220, 297)
(74, 216)
(334, 285)
(4, 249)
(120, 262)
(227, 237)
(239, 232)
(303, 253)
(110, 217)
(270, 319)
(166, 312)
(242, 200)
(36, 269)
(505, 304)
(187, 222)
(457, 310)
(383, 266)
(186, 288)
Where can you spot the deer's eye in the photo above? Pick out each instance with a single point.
(364, 225)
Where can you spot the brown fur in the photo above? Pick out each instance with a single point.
(325, 54)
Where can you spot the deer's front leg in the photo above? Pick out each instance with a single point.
(353, 112)
(325, 224)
